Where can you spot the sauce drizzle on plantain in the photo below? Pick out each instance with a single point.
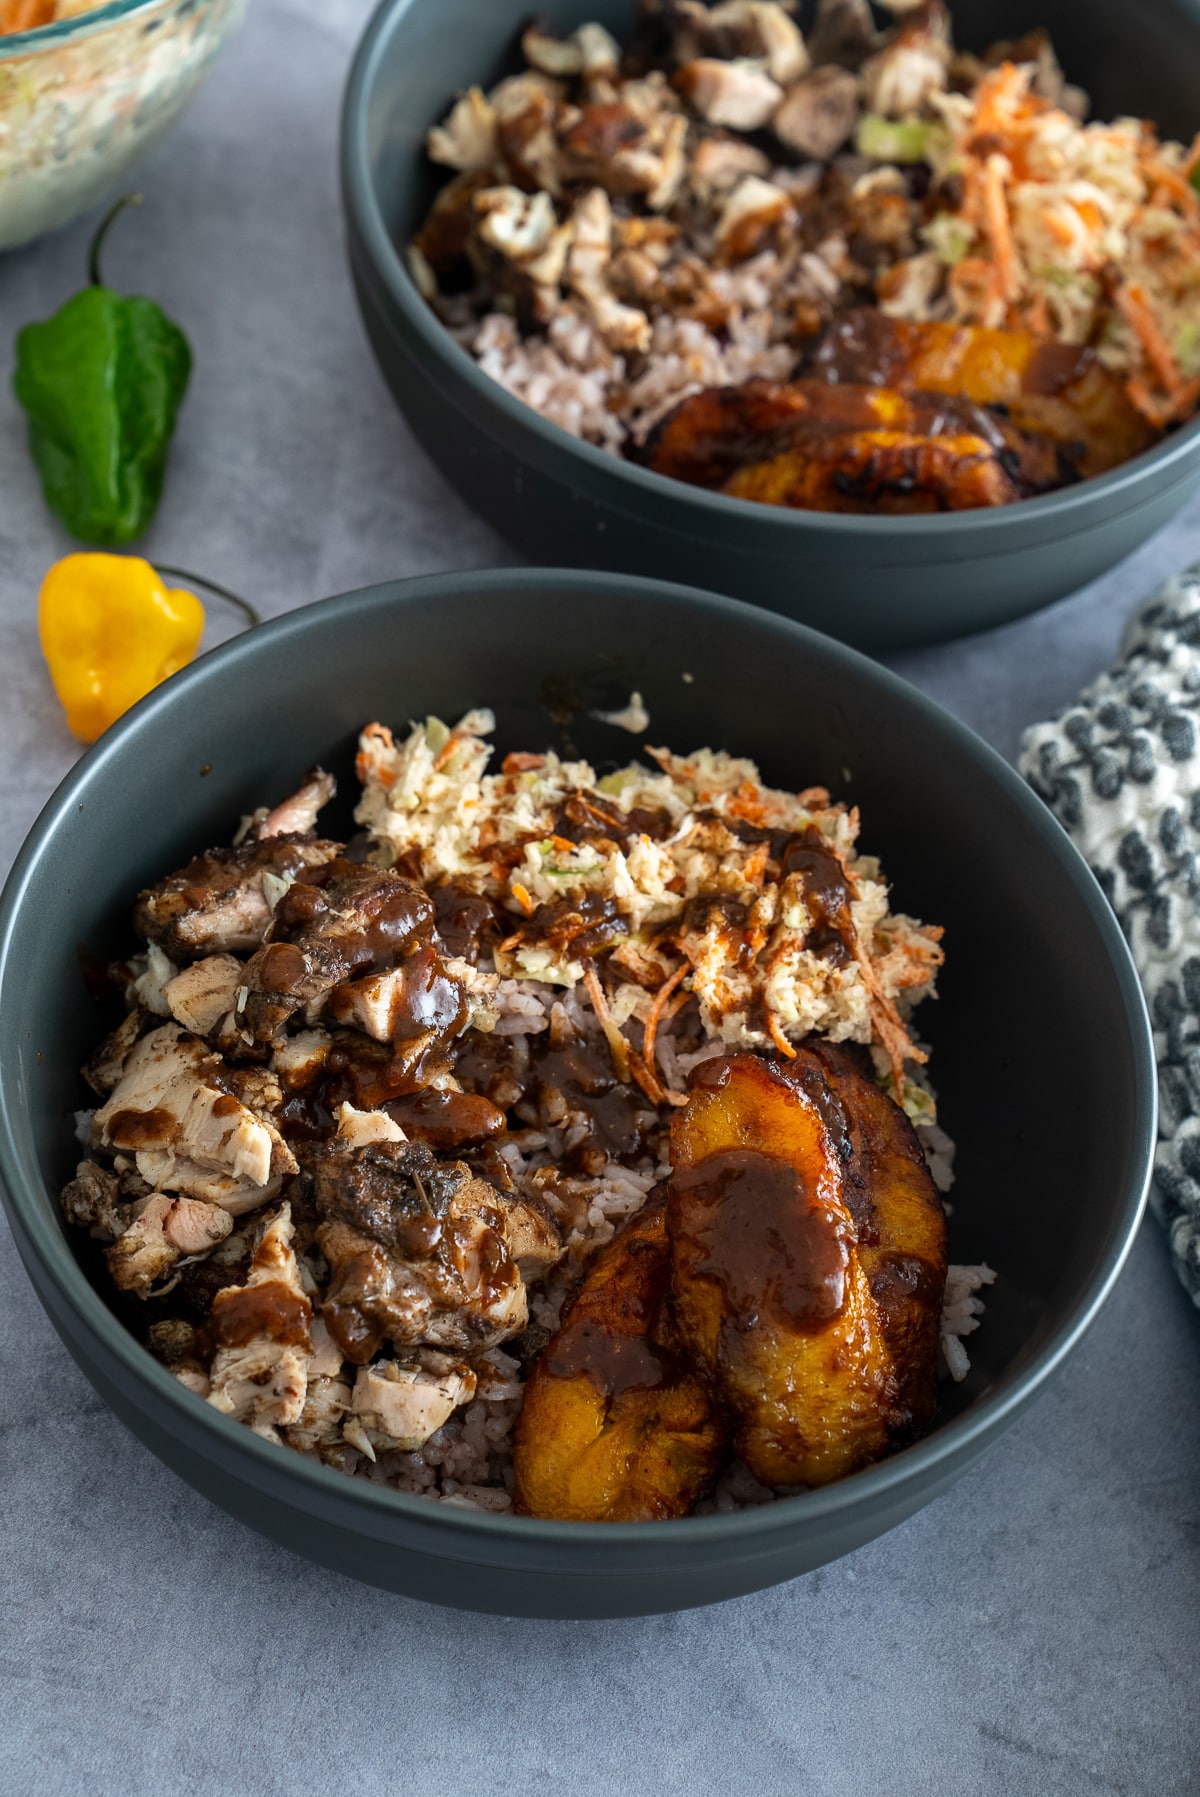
(777, 1251)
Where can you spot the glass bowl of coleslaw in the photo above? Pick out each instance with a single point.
(84, 95)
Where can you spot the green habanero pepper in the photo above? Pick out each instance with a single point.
(102, 382)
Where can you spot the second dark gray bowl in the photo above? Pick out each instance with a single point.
(1041, 1045)
(880, 583)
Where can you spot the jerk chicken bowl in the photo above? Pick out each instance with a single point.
(861, 735)
(789, 328)
(850, 270)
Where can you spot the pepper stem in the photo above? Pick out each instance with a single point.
(102, 230)
(210, 586)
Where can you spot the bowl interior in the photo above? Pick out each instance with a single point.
(1041, 1052)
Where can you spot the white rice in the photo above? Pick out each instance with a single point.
(962, 1308)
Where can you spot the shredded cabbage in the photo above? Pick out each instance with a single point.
(949, 238)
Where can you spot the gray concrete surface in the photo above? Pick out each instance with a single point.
(1036, 1631)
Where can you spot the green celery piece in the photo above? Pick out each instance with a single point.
(895, 140)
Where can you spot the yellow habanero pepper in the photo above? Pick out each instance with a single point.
(110, 631)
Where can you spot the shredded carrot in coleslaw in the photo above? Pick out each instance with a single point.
(1081, 233)
(656, 1012)
(1131, 303)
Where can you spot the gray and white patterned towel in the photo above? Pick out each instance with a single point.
(1121, 770)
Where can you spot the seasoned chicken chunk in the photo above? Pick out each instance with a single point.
(153, 973)
(739, 94)
(419, 1250)
(360, 940)
(754, 210)
(719, 161)
(180, 1347)
(297, 1060)
(165, 1231)
(223, 901)
(623, 326)
(327, 1395)
(104, 1068)
(259, 1373)
(912, 65)
(360, 1128)
(467, 139)
(818, 115)
(615, 1427)
(94, 1201)
(175, 1112)
(203, 993)
(298, 814)
(769, 1291)
(843, 32)
(401, 1403)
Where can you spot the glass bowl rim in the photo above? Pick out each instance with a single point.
(61, 31)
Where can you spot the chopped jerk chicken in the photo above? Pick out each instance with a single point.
(103, 1202)
(260, 1371)
(327, 1396)
(360, 940)
(298, 1059)
(297, 816)
(400, 1404)
(420, 1252)
(187, 1131)
(177, 1343)
(737, 94)
(223, 901)
(104, 1069)
(164, 1232)
(843, 33)
(204, 993)
(819, 114)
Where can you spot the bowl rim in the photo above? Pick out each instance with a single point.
(62, 31)
(464, 1530)
(1073, 505)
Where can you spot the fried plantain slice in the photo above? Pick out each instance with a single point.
(898, 1215)
(614, 1428)
(832, 446)
(769, 1291)
(1060, 390)
(881, 471)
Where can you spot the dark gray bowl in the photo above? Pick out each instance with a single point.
(1042, 1048)
(880, 583)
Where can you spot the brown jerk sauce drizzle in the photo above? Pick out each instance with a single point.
(614, 1363)
(746, 1222)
